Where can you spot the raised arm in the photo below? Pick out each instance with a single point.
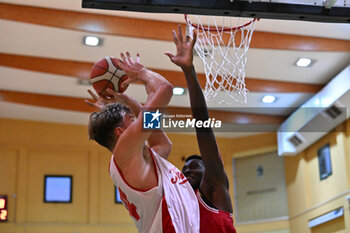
(159, 92)
(158, 140)
(214, 184)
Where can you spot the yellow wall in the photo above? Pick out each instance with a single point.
(253, 146)
(28, 150)
(308, 196)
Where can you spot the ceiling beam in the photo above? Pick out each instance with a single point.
(152, 29)
(77, 104)
(81, 70)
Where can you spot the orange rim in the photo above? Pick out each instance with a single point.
(214, 29)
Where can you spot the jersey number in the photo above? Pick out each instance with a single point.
(131, 207)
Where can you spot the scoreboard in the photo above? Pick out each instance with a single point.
(3, 208)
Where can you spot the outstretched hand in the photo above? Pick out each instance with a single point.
(100, 100)
(184, 47)
(131, 67)
(114, 97)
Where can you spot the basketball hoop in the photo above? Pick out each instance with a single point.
(223, 50)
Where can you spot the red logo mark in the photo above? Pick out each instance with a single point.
(131, 207)
(177, 176)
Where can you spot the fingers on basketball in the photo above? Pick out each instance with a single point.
(123, 84)
(106, 73)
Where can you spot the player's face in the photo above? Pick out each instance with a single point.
(194, 170)
(128, 119)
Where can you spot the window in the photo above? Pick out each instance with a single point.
(324, 161)
(57, 189)
(260, 189)
(117, 195)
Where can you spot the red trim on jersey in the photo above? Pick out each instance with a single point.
(140, 190)
(211, 209)
(167, 224)
(205, 205)
(213, 220)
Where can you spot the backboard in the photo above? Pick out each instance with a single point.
(337, 11)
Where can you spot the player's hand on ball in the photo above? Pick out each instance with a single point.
(131, 67)
(105, 73)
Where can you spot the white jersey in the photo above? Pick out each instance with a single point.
(170, 207)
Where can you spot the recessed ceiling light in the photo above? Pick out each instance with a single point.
(178, 91)
(268, 99)
(92, 41)
(303, 62)
(84, 82)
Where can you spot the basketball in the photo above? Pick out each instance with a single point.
(105, 73)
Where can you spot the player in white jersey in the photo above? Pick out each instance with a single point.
(157, 195)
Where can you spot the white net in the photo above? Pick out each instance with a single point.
(223, 50)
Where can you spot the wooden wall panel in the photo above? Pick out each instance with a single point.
(81, 70)
(77, 104)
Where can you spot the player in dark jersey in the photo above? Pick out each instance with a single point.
(205, 173)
